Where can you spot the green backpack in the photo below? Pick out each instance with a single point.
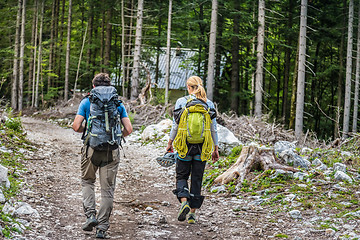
(194, 127)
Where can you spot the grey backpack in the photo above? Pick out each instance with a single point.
(103, 131)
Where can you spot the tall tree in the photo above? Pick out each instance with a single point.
(36, 12)
(137, 51)
(51, 50)
(36, 101)
(32, 50)
(260, 60)
(357, 73)
(168, 53)
(347, 102)
(67, 63)
(234, 105)
(108, 41)
(14, 88)
(301, 71)
(22, 48)
(212, 50)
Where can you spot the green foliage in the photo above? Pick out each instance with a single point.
(281, 235)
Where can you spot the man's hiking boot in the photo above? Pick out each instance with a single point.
(184, 210)
(191, 218)
(101, 234)
(90, 223)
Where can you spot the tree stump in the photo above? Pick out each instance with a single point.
(252, 157)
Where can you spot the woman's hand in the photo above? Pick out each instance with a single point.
(169, 147)
(215, 154)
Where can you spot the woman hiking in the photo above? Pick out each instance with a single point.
(194, 136)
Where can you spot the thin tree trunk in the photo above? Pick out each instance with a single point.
(234, 105)
(51, 50)
(22, 49)
(347, 103)
(62, 28)
(32, 50)
(293, 91)
(158, 43)
(285, 101)
(301, 72)
(212, 50)
(102, 36)
(78, 67)
(122, 75)
(137, 51)
(341, 75)
(107, 42)
(129, 47)
(36, 104)
(14, 88)
(89, 49)
(357, 72)
(168, 51)
(67, 63)
(35, 52)
(260, 60)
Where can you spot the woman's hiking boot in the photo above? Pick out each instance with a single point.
(184, 210)
(101, 234)
(90, 223)
(191, 218)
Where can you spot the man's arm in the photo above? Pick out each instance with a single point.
(127, 126)
(77, 124)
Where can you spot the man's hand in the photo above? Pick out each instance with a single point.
(169, 147)
(215, 154)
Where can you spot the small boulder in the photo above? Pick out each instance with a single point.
(226, 139)
(340, 167)
(4, 180)
(295, 214)
(300, 175)
(341, 176)
(282, 146)
(24, 210)
(156, 130)
(316, 162)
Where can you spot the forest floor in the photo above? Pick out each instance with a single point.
(144, 205)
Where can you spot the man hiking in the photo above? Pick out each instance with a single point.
(194, 136)
(106, 123)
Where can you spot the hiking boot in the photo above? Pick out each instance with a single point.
(184, 210)
(90, 223)
(191, 218)
(101, 234)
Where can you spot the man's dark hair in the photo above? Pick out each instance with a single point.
(101, 79)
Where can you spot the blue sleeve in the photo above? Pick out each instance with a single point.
(84, 108)
(122, 111)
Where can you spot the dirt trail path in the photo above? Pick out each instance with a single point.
(144, 206)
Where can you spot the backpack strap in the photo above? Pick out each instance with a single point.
(85, 128)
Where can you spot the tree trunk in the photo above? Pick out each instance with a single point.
(102, 36)
(22, 49)
(158, 43)
(301, 72)
(347, 103)
(122, 75)
(357, 72)
(285, 101)
(168, 53)
(14, 88)
(340, 78)
(234, 98)
(32, 50)
(128, 53)
(78, 67)
(212, 49)
(36, 102)
(252, 157)
(293, 91)
(108, 42)
(260, 60)
(88, 54)
(35, 53)
(62, 28)
(51, 48)
(67, 63)
(137, 51)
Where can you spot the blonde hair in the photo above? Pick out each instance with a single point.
(196, 85)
